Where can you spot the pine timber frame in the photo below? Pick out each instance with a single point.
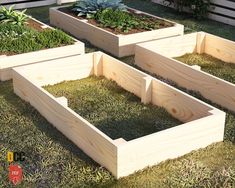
(157, 57)
(117, 45)
(203, 124)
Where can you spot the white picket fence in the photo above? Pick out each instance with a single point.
(220, 10)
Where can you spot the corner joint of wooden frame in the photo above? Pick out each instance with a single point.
(146, 90)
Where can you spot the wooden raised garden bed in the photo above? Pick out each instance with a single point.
(117, 44)
(10, 60)
(203, 124)
(157, 57)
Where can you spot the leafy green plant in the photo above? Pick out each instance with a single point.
(116, 19)
(21, 39)
(89, 8)
(199, 8)
(13, 17)
(125, 21)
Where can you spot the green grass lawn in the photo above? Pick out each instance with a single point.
(211, 65)
(54, 161)
(113, 110)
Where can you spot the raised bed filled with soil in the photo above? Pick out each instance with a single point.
(19, 55)
(198, 61)
(117, 43)
(122, 118)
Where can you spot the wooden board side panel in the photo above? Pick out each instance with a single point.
(9, 62)
(212, 88)
(93, 142)
(63, 69)
(127, 42)
(125, 76)
(220, 48)
(83, 30)
(30, 4)
(169, 144)
(173, 46)
(177, 103)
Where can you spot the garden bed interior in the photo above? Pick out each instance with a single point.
(10, 59)
(160, 57)
(113, 110)
(203, 124)
(117, 44)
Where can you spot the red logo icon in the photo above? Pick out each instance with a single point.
(15, 174)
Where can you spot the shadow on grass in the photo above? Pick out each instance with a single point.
(23, 108)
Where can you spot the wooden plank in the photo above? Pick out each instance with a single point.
(7, 63)
(119, 156)
(59, 70)
(125, 75)
(223, 11)
(146, 90)
(32, 4)
(126, 41)
(221, 19)
(201, 37)
(59, 2)
(86, 136)
(11, 1)
(81, 29)
(178, 104)
(171, 143)
(62, 100)
(118, 45)
(220, 48)
(173, 46)
(226, 3)
(211, 87)
(98, 64)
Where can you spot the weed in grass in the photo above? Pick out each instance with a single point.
(211, 65)
(112, 109)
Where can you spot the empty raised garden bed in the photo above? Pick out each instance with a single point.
(203, 124)
(118, 44)
(16, 57)
(160, 56)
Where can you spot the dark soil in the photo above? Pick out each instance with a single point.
(162, 23)
(35, 25)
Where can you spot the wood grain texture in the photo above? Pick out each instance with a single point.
(92, 141)
(30, 4)
(9, 62)
(118, 45)
(146, 90)
(201, 37)
(220, 48)
(173, 46)
(171, 143)
(205, 124)
(56, 71)
(211, 87)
